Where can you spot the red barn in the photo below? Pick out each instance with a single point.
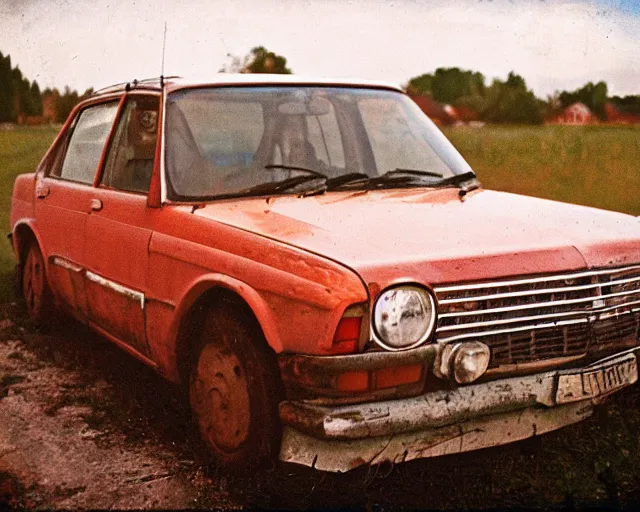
(577, 113)
(433, 109)
(616, 116)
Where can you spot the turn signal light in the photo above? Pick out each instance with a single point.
(347, 336)
(353, 381)
(383, 378)
(397, 376)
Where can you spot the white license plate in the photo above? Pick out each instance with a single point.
(597, 381)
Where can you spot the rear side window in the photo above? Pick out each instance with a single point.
(130, 161)
(88, 136)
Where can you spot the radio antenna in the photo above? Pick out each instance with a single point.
(164, 44)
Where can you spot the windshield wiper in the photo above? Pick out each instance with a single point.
(275, 187)
(412, 172)
(404, 177)
(466, 182)
(295, 168)
(396, 178)
(347, 179)
(458, 179)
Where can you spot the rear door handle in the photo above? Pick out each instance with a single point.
(96, 205)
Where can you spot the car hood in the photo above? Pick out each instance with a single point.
(432, 236)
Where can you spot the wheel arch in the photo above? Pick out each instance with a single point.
(24, 232)
(206, 293)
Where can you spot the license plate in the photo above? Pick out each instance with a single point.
(597, 381)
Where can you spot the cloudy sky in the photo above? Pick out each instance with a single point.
(554, 44)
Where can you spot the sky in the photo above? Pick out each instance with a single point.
(553, 44)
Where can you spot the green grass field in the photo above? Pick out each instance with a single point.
(595, 166)
(592, 165)
(20, 151)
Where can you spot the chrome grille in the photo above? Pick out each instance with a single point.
(544, 317)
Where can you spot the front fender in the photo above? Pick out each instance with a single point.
(253, 299)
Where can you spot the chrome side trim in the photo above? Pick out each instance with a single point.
(533, 327)
(56, 260)
(555, 277)
(526, 293)
(128, 292)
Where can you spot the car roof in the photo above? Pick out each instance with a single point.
(175, 82)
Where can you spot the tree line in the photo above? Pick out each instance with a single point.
(502, 101)
(510, 101)
(21, 99)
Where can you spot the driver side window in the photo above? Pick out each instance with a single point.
(131, 156)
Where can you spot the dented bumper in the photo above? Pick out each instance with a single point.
(449, 421)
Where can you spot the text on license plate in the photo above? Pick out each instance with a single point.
(597, 381)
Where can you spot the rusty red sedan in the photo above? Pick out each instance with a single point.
(319, 267)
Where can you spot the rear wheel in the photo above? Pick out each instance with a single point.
(35, 288)
(234, 391)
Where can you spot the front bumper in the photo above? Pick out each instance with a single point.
(443, 422)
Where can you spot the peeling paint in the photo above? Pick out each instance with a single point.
(341, 456)
(437, 423)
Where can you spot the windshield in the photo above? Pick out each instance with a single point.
(228, 140)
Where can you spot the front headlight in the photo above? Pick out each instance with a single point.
(403, 317)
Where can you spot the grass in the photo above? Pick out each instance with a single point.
(20, 151)
(592, 463)
(593, 165)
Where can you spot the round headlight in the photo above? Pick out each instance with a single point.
(403, 317)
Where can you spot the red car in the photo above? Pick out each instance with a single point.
(319, 266)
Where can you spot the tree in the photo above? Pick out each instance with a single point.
(422, 85)
(35, 99)
(512, 102)
(259, 60)
(629, 104)
(65, 103)
(21, 98)
(449, 85)
(6, 89)
(264, 61)
(17, 88)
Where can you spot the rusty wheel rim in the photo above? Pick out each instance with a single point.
(220, 399)
(33, 282)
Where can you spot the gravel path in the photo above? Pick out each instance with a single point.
(84, 425)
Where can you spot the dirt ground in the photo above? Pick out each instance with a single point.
(84, 425)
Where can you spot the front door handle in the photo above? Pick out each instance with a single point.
(96, 205)
(42, 191)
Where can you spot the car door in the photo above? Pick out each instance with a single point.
(64, 192)
(118, 230)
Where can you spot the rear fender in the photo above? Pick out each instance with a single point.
(18, 237)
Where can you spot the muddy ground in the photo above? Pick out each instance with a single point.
(84, 425)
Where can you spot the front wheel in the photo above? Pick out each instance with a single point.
(234, 391)
(35, 288)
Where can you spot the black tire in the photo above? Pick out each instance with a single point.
(35, 287)
(234, 390)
